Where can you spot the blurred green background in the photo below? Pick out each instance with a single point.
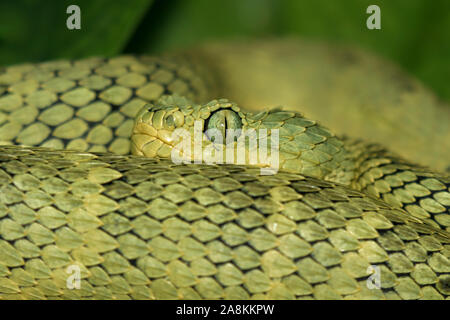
(415, 33)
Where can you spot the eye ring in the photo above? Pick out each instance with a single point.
(224, 122)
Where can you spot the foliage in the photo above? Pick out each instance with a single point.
(415, 33)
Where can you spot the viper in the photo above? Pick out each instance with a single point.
(357, 208)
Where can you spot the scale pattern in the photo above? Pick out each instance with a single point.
(145, 228)
(422, 193)
(148, 229)
(87, 104)
(308, 148)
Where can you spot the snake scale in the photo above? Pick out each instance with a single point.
(338, 212)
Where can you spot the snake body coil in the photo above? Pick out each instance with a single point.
(146, 228)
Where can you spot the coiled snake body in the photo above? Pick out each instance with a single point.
(338, 214)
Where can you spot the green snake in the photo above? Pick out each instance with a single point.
(337, 214)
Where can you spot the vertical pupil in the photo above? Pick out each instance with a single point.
(225, 127)
(223, 120)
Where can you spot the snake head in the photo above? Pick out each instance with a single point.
(157, 126)
(220, 132)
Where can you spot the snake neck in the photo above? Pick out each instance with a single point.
(383, 174)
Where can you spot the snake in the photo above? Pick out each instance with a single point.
(93, 204)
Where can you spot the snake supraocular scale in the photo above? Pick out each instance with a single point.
(146, 228)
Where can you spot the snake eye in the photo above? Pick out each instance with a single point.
(223, 120)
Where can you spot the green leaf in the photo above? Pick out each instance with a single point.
(36, 30)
